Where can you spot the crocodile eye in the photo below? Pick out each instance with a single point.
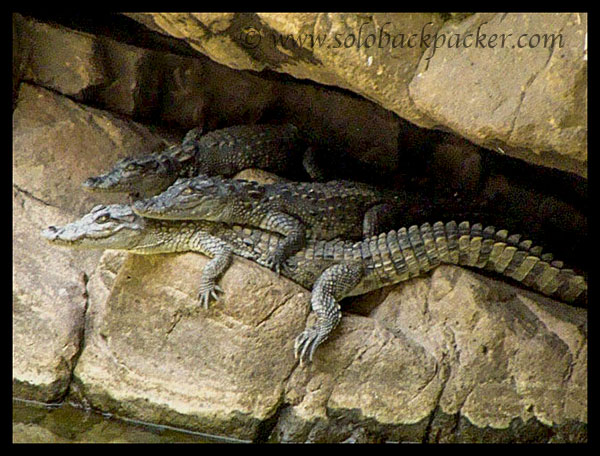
(187, 191)
(103, 219)
(131, 167)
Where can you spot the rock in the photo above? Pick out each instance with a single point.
(449, 358)
(216, 23)
(530, 101)
(191, 92)
(291, 43)
(58, 143)
(49, 303)
(18, 58)
(360, 57)
(526, 348)
(338, 122)
(152, 354)
(504, 363)
(52, 137)
(57, 58)
(523, 101)
(133, 80)
(116, 76)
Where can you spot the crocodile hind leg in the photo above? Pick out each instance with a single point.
(380, 219)
(331, 286)
(312, 167)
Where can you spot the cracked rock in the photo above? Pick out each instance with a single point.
(524, 98)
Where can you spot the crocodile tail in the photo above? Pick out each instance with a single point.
(495, 250)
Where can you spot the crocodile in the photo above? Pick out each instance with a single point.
(297, 210)
(332, 269)
(275, 148)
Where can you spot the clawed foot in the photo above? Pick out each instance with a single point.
(208, 291)
(306, 344)
(275, 262)
(288, 268)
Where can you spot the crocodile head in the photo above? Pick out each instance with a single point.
(147, 175)
(200, 198)
(104, 227)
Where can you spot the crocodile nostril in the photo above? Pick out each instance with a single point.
(50, 232)
(90, 182)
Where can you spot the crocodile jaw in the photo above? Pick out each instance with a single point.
(172, 210)
(65, 236)
(188, 200)
(146, 177)
(114, 182)
(105, 227)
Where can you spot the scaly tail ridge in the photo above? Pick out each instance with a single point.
(497, 251)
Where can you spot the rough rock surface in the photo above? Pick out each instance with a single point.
(531, 101)
(525, 97)
(49, 303)
(234, 358)
(189, 92)
(52, 138)
(443, 356)
(58, 143)
(437, 360)
(452, 357)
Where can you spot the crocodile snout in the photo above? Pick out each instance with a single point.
(50, 233)
(99, 184)
(91, 182)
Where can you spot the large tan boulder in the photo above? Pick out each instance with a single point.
(49, 303)
(57, 143)
(153, 354)
(529, 101)
(455, 347)
(517, 85)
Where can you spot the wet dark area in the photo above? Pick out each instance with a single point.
(35, 422)
(353, 138)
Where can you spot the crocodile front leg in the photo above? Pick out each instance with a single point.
(295, 237)
(221, 254)
(332, 285)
